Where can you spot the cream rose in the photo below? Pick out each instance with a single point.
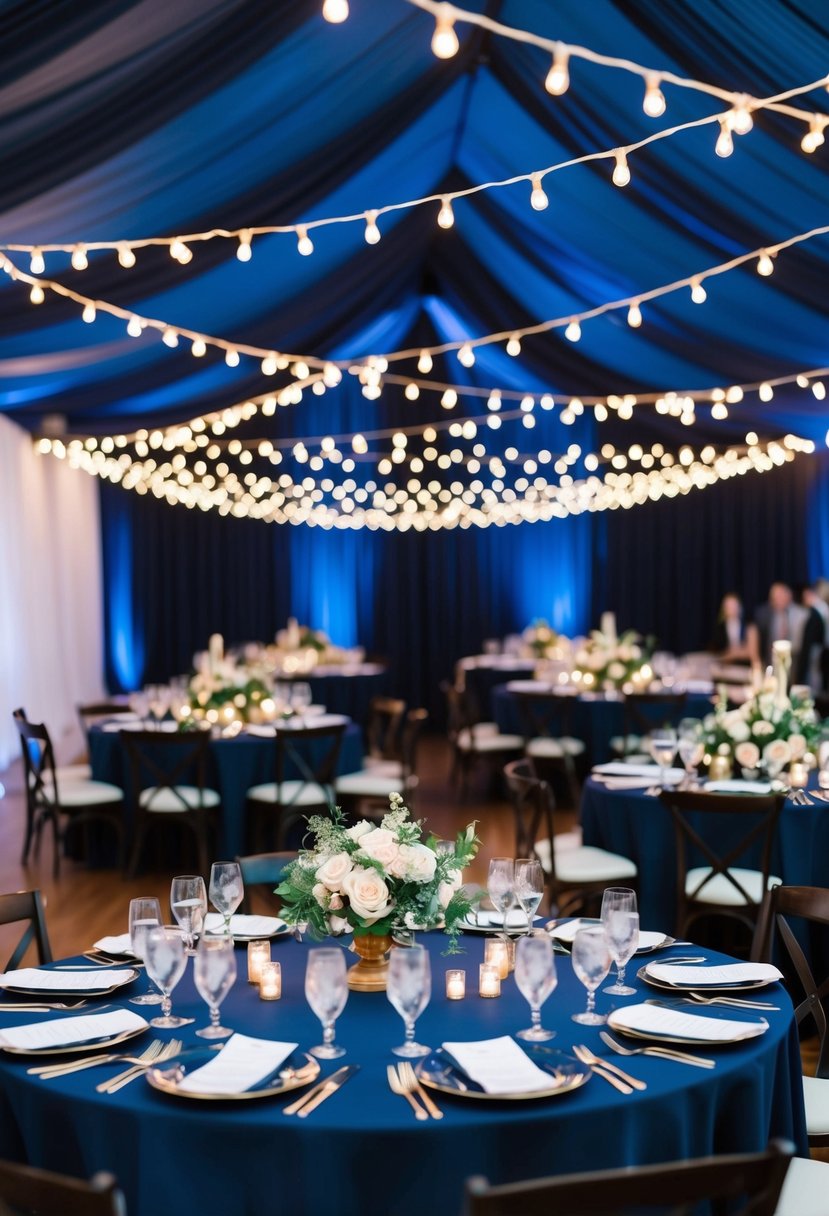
(797, 746)
(368, 894)
(333, 871)
(759, 729)
(359, 830)
(777, 752)
(380, 845)
(338, 924)
(616, 671)
(320, 893)
(445, 892)
(747, 755)
(739, 731)
(414, 863)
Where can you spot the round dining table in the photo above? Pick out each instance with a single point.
(362, 1152)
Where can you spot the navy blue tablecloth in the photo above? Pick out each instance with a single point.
(362, 1153)
(348, 693)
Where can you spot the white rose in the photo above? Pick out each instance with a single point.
(414, 863)
(359, 830)
(747, 755)
(797, 746)
(625, 653)
(368, 894)
(335, 903)
(761, 729)
(616, 671)
(765, 705)
(739, 731)
(445, 892)
(333, 871)
(380, 845)
(320, 893)
(338, 924)
(777, 752)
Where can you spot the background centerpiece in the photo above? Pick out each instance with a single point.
(369, 879)
(606, 662)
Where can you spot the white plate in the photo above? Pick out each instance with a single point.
(246, 928)
(692, 1028)
(493, 922)
(648, 941)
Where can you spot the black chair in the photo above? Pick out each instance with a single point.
(34, 1192)
(548, 738)
(643, 712)
(475, 742)
(722, 887)
(19, 906)
(382, 732)
(262, 870)
(64, 801)
(748, 1183)
(369, 788)
(312, 753)
(575, 875)
(168, 779)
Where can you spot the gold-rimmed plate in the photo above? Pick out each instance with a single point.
(753, 1030)
(87, 1045)
(440, 1072)
(299, 1069)
(80, 993)
(695, 986)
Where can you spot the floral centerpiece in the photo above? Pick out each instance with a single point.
(607, 662)
(541, 640)
(765, 733)
(369, 879)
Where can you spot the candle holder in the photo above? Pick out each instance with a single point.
(455, 985)
(270, 982)
(489, 980)
(798, 775)
(496, 953)
(259, 953)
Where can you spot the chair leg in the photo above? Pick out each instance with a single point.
(140, 832)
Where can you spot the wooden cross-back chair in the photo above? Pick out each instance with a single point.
(29, 1191)
(26, 906)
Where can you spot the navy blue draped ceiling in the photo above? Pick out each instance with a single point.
(132, 118)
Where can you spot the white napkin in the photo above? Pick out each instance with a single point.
(499, 1066)
(65, 1032)
(692, 976)
(625, 783)
(240, 1064)
(116, 725)
(617, 768)
(117, 944)
(99, 980)
(738, 787)
(262, 730)
(673, 1023)
(495, 920)
(566, 932)
(244, 926)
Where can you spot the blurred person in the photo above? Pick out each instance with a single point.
(810, 664)
(779, 619)
(730, 642)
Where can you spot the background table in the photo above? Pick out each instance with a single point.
(362, 1151)
(344, 690)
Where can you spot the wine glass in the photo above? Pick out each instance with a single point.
(662, 744)
(691, 748)
(301, 699)
(535, 977)
(165, 960)
(409, 987)
(620, 920)
(326, 991)
(591, 962)
(188, 901)
(214, 971)
(226, 889)
(529, 886)
(145, 914)
(160, 698)
(500, 884)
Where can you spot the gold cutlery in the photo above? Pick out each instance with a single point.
(397, 1087)
(736, 1001)
(154, 1054)
(330, 1087)
(316, 1091)
(604, 1073)
(586, 1056)
(78, 1064)
(39, 1006)
(663, 1053)
(409, 1081)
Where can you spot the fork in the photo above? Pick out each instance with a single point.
(155, 1056)
(58, 1070)
(664, 1053)
(396, 1086)
(38, 1006)
(587, 1058)
(737, 1001)
(409, 1081)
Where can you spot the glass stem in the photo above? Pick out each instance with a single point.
(535, 1011)
(214, 1015)
(328, 1032)
(410, 1029)
(591, 1000)
(620, 973)
(166, 1006)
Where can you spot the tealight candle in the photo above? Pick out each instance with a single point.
(489, 980)
(496, 953)
(259, 953)
(455, 985)
(270, 982)
(798, 775)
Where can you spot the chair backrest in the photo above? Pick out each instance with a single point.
(309, 754)
(262, 870)
(34, 1192)
(383, 728)
(19, 906)
(645, 711)
(533, 805)
(99, 711)
(751, 1180)
(409, 739)
(544, 715)
(809, 904)
(164, 760)
(38, 759)
(757, 817)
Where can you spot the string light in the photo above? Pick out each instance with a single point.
(335, 11)
(36, 264)
(621, 170)
(765, 265)
(814, 137)
(424, 363)
(180, 252)
(126, 256)
(765, 392)
(372, 232)
(89, 313)
(634, 316)
(741, 119)
(466, 355)
(444, 40)
(725, 144)
(698, 293)
(819, 390)
(134, 327)
(558, 78)
(169, 337)
(232, 357)
(514, 346)
(304, 244)
(79, 259)
(573, 331)
(446, 216)
(538, 199)
(654, 100)
(198, 348)
(243, 249)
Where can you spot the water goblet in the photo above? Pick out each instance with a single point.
(145, 914)
(620, 920)
(500, 884)
(214, 971)
(409, 987)
(301, 698)
(529, 886)
(535, 977)
(165, 961)
(662, 744)
(226, 889)
(591, 962)
(188, 901)
(326, 990)
(691, 740)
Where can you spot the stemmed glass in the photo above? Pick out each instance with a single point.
(620, 920)
(663, 743)
(165, 961)
(188, 901)
(214, 971)
(409, 987)
(591, 963)
(301, 698)
(145, 914)
(326, 991)
(500, 884)
(529, 886)
(535, 977)
(691, 748)
(160, 698)
(226, 889)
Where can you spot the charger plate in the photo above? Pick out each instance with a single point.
(440, 1072)
(693, 986)
(167, 1078)
(72, 1049)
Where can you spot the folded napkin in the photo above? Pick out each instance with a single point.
(738, 787)
(529, 686)
(499, 1066)
(674, 1024)
(262, 730)
(97, 980)
(625, 783)
(130, 724)
(65, 1032)
(693, 976)
(242, 1063)
(495, 920)
(617, 768)
(566, 932)
(699, 686)
(118, 943)
(244, 926)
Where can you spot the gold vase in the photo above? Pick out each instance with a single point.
(720, 768)
(369, 975)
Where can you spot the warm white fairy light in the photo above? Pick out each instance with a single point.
(180, 252)
(335, 11)
(514, 346)
(304, 244)
(444, 40)
(198, 348)
(725, 144)
(446, 216)
(126, 255)
(698, 293)
(741, 119)
(538, 198)
(36, 263)
(819, 390)
(89, 313)
(765, 392)
(372, 232)
(654, 101)
(37, 295)
(765, 265)
(621, 169)
(557, 81)
(466, 355)
(573, 331)
(134, 327)
(243, 249)
(170, 337)
(79, 259)
(232, 357)
(814, 137)
(634, 315)
(424, 363)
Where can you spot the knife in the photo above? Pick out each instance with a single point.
(325, 1090)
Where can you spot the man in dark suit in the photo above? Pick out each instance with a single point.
(810, 662)
(780, 619)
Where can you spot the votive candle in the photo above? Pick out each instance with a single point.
(259, 953)
(496, 953)
(455, 985)
(489, 980)
(798, 775)
(270, 982)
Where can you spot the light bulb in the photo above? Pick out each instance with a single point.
(558, 77)
(819, 390)
(654, 101)
(88, 313)
(243, 249)
(741, 119)
(449, 399)
(134, 327)
(424, 363)
(698, 293)
(335, 11)
(514, 346)
(79, 259)
(766, 392)
(198, 349)
(170, 337)
(412, 392)
(765, 266)
(444, 40)
(725, 144)
(538, 199)
(466, 355)
(180, 253)
(634, 316)
(573, 332)
(621, 172)
(372, 232)
(446, 216)
(269, 365)
(719, 411)
(232, 357)
(331, 375)
(494, 400)
(37, 295)
(126, 256)
(304, 244)
(36, 263)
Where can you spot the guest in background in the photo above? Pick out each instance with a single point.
(809, 668)
(778, 620)
(729, 642)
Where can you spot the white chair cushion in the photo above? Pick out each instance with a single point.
(368, 784)
(816, 1099)
(554, 749)
(486, 728)
(720, 891)
(388, 768)
(292, 793)
(74, 772)
(79, 793)
(569, 840)
(805, 1189)
(468, 742)
(582, 863)
(166, 802)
